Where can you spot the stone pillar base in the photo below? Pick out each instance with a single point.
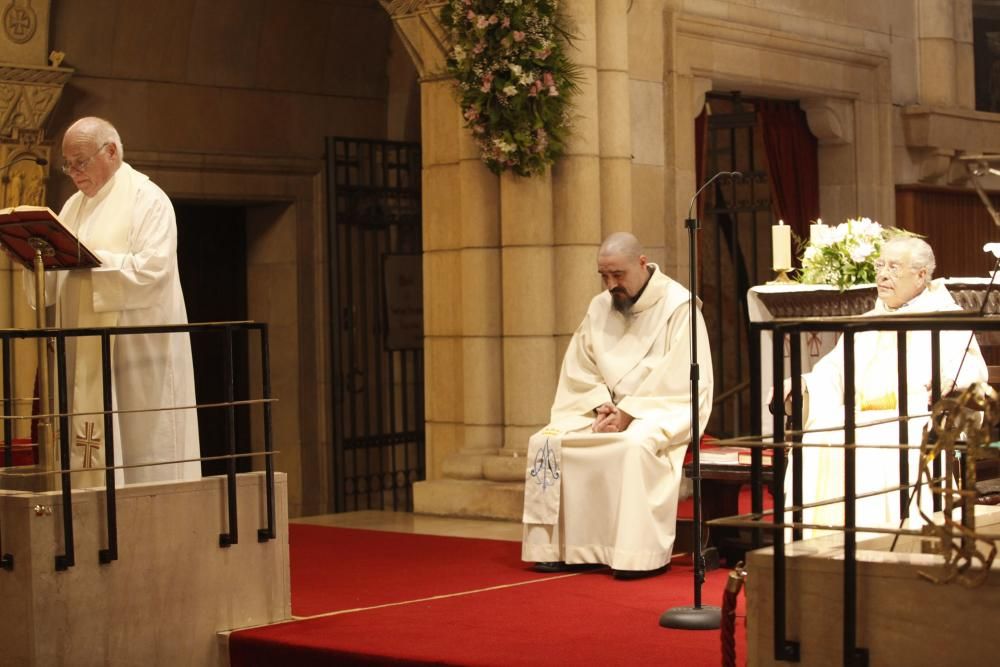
(481, 499)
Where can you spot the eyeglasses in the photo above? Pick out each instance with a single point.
(894, 268)
(80, 165)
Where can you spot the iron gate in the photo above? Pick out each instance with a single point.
(376, 322)
(736, 252)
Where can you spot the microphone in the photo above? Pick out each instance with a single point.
(732, 174)
(40, 161)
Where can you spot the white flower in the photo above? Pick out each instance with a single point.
(515, 69)
(840, 232)
(810, 253)
(861, 251)
(509, 90)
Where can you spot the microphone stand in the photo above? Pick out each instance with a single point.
(696, 617)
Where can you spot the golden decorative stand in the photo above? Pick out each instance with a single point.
(782, 278)
(46, 455)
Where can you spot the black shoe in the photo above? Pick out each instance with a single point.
(640, 574)
(550, 566)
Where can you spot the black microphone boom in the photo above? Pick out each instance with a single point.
(732, 174)
(40, 161)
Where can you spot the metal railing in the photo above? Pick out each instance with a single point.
(791, 440)
(59, 336)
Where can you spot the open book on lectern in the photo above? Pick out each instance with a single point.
(22, 226)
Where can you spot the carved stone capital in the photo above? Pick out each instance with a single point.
(831, 120)
(419, 27)
(700, 87)
(936, 166)
(27, 96)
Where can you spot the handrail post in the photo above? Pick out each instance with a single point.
(265, 534)
(232, 537)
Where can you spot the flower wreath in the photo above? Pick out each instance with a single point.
(515, 81)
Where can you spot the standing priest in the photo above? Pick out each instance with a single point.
(603, 477)
(129, 223)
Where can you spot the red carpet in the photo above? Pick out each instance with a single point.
(342, 568)
(580, 619)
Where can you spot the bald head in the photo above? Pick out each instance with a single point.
(621, 243)
(623, 269)
(92, 153)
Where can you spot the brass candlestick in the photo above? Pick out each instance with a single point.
(781, 278)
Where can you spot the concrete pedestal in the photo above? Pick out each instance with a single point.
(167, 596)
(903, 619)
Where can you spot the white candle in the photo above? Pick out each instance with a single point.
(781, 246)
(817, 232)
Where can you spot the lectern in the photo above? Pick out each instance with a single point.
(34, 236)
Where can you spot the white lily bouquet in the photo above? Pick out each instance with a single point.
(843, 255)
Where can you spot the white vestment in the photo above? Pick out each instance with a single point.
(619, 491)
(137, 284)
(876, 386)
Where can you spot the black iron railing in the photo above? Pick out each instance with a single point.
(110, 553)
(791, 440)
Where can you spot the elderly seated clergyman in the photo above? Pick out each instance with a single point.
(603, 477)
(904, 280)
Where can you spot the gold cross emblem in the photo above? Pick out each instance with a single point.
(89, 442)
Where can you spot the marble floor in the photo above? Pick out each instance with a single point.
(424, 524)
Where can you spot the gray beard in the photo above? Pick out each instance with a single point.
(623, 306)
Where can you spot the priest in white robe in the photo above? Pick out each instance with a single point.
(603, 478)
(905, 287)
(129, 223)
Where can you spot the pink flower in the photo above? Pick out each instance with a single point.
(471, 114)
(518, 36)
(493, 19)
(487, 83)
(470, 15)
(548, 80)
(478, 48)
(482, 22)
(506, 22)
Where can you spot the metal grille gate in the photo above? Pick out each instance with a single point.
(376, 322)
(736, 252)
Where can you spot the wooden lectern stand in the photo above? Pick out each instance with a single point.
(34, 236)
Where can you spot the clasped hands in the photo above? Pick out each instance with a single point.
(611, 419)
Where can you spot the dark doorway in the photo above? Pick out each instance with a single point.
(212, 258)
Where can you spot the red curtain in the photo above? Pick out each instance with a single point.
(792, 163)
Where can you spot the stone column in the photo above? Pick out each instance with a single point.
(647, 99)
(936, 44)
(442, 234)
(614, 128)
(577, 185)
(965, 73)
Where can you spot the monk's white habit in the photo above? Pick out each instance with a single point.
(618, 492)
(876, 380)
(130, 225)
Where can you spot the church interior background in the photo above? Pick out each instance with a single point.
(419, 304)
